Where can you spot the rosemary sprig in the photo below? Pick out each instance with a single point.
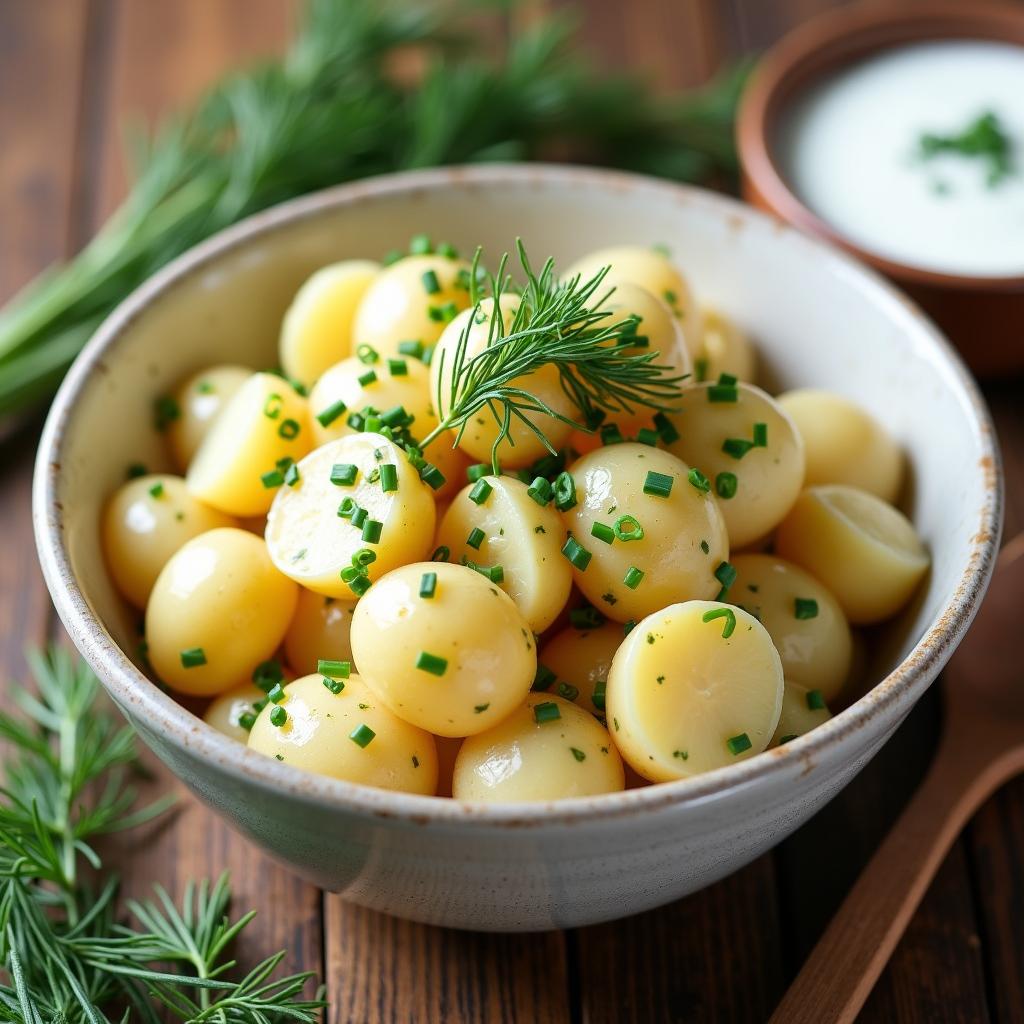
(332, 110)
(556, 323)
(65, 954)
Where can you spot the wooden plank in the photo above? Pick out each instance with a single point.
(712, 957)
(381, 969)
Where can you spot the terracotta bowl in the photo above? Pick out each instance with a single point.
(817, 316)
(984, 316)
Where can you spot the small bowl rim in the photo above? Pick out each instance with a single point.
(160, 712)
(821, 46)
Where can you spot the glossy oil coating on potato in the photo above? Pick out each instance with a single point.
(579, 660)
(844, 444)
(519, 535)
(346, 735)
(310, 542)
(319, 630)
(199, 400)
(724, 348)
(721, 430)
(144, 523)
(522, 447)
(865, 551)
(218, 609)
(224, 712)
(684, 539)
(317, 328)
(694, 687)
(454, 656)
(264, 422)
(804, 620)
(802, 711)
(547, 749)
(412, 300)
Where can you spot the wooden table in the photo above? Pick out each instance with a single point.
(71, 72)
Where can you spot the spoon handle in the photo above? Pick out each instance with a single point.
(845, 964)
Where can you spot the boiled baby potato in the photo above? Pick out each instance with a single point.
(217, 610)
(412, 300)
(642, 536)
(652, 270)
(655, 324)
(725, 349)
(844, 444)
(317, 328)
(865, 551)
(494, 522)
(346, 735)
(239, 463)
(802, 711)
(443, 647)
(547, 749)
(226, 711)
(319, 630)
(145, 521)
(197, 402)
(695, 686)
(748, 451)
(357, 510)
(804, 620)
(352, 386)
(522, 446)
(574, 664)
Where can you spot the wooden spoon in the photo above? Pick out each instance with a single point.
(982, 747)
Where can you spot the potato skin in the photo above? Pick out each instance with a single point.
(200, 399)
(320, 629)
(581, 659)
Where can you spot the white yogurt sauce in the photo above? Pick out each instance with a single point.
(849, 150)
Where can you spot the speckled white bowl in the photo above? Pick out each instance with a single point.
(818, 317)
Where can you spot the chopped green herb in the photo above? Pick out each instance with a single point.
(649, 437)
(546, 712)
(726, 575)
(544, 678)
(597, 697)
(247, 720)
(278, 716)
(475, 538)
(737, 447)
(273, 405)
(331, 413)
(628, 528)
(388, 477)
(431, 285)
(267, 673)
(359, 586)
(411, 348)
(540, 490)
(479, 708)
(699, 481)
(726, 485)
(658, 484)
(334, 669)
(760, 435)
(441, 554)
(565, 492)
(816, 701)
(289, 429)
(568, 691)
(578, 555)
(193, 657)
(362, 736)
(372, 529)
(722, 613)
(705, 547)
(666, 428)
(431, 663)
(275, 694)
(135, 470)
(367, 354)
(343, 474)
(366, 379)
(585, 618)
(738, 744)
(805, 608)
(683, 755)
(578, 754)
(633, 578)
(602, 532)
(787, 738)
(420, 245)
(157, 490)
(611, 434)
(432, 476)
(481, 492)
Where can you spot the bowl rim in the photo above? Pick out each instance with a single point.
(161, 713)
(819, 47)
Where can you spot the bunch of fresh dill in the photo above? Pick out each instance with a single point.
(66, 955)
(333, 110)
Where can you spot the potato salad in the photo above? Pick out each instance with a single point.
(507, 535)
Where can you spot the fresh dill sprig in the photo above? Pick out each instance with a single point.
(983, 139)
(62, 948)
(555, 323)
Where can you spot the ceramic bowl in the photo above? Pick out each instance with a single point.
(981, 314)
(818, 317)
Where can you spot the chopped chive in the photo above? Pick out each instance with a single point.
(628, 627)
(364, 557)
(760, 435)
(359, 586)
(420, 245)
(585, 618)
(157, 490)
(267, 673)
(411, 348)
(597, 697)
(273, 405)
(388, 477)
(431, 663)
(372, 424)
(649, 437)
(431, 285)
(544, 678)
(737, 447)
(546, 712)
(278, 716)
(816, 700)
(628, 528)
(683, 755)
(347, 508)
(705, 547)
(666, 428)
(246, 720)
(658, 484)
(565, 492)
(699, 480)
(362, 736)
(611, 434)
(723, 393)
(343, 474)
(540, 490)
(578, 754)
(366, 379)
(578, 555)
(359, 517)
(289, 429)
(135, 470)
(495, 573)
(805, 608)
(367, 354)
(726, 485)
(738, 744)
(700, 370)
(475, 538)
(432, 476)
(372, 530)
(441, 553)
(726, 575)
(476, 472)
(602, 532)
(447, 250)
(193, 657)
(355, 421)
(568, 691)
(633, 578)
(443, 314)
(350, 573)
(396, 416)
(480, 708)
(165, 411)
(722, 613)
(275, 694)
(334, 669)
(481, 492)
(398, 368)
(334, 685)
(428, 584)
(728, 380)
(787, 738)
(331, 413)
